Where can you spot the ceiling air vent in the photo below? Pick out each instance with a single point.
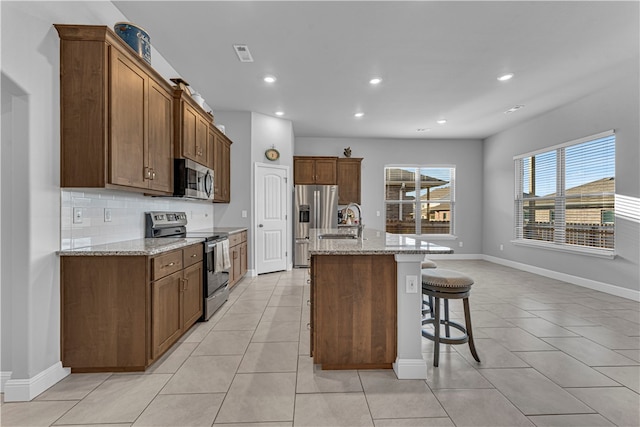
(242, 50)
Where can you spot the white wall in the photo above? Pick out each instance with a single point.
(615, 107)
(465, 155)
(252, 134)
(31, 196)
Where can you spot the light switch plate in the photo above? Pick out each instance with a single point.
(77, 215)
(412, 284)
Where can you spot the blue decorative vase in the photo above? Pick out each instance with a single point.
(136, 37)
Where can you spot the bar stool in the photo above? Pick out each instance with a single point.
(427, 301)
(447, 284)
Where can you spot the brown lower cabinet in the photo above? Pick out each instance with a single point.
(353, 311)
(238, 254)
(121, 313)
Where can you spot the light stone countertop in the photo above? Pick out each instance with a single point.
(374, 242)
(221, 230)
(144, 247)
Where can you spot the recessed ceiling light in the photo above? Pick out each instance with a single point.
(441, 121)
(505, 77)
(279, 113)
(375, 81)
(269, 79)
(514, 108)
(358, 115)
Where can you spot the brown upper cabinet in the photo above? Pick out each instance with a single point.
(314, 170)
(191, 130)
(349, 180)
(116, 115)
(222, 167)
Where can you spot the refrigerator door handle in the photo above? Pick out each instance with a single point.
(316, 209)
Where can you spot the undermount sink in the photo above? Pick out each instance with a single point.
(337, 236)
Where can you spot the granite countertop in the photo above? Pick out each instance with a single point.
(221, 230)
(374, 242)
(144, 247)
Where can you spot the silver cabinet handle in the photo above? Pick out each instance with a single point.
(170, 264)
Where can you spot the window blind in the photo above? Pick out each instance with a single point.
(566, 195)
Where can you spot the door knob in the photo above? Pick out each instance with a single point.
(260, 225)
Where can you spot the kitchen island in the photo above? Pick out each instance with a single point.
(364, 313)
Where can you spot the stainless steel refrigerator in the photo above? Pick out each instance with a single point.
(315, 206)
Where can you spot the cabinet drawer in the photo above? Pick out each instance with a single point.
(192, 254)
(166, 264)
(235, 239)
(243, 236)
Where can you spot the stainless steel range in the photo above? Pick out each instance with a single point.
(216, 262)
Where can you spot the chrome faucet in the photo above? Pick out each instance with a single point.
(360, 224)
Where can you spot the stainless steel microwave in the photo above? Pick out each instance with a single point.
(192, 180)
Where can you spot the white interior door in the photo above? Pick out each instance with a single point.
(271, 217)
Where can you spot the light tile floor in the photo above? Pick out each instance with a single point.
(553, 354)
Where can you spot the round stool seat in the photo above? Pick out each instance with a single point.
(427, 263)
(440, 278)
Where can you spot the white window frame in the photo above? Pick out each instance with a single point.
(560, 201)
(418, 202)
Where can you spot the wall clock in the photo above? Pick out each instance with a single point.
(272, 154)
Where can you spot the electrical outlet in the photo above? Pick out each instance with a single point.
(412, 284)
(377, 213)
(460, 244)
(501, 247)
(244, 214)
(77, 215)
(107, 214)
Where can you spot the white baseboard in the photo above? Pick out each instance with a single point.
(580, 281)
(410, 369)
(23, 390)
(4, 377)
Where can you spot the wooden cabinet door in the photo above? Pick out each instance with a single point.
(303, 171)
(160, 146)
(217, 170)
(348, 181)
(192, 298)
(202, 141)
(326, 171)
(189, 130)
(235, 263)
(355, 309)
(211, 152)
(166, 312)
(129, 85)
(222, 170)
(243, 258)
(225, 178)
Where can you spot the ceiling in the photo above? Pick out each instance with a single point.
(438, 60)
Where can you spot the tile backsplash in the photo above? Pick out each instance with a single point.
(127, 215)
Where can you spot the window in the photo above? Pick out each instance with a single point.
(419, 200)
(565, 195)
